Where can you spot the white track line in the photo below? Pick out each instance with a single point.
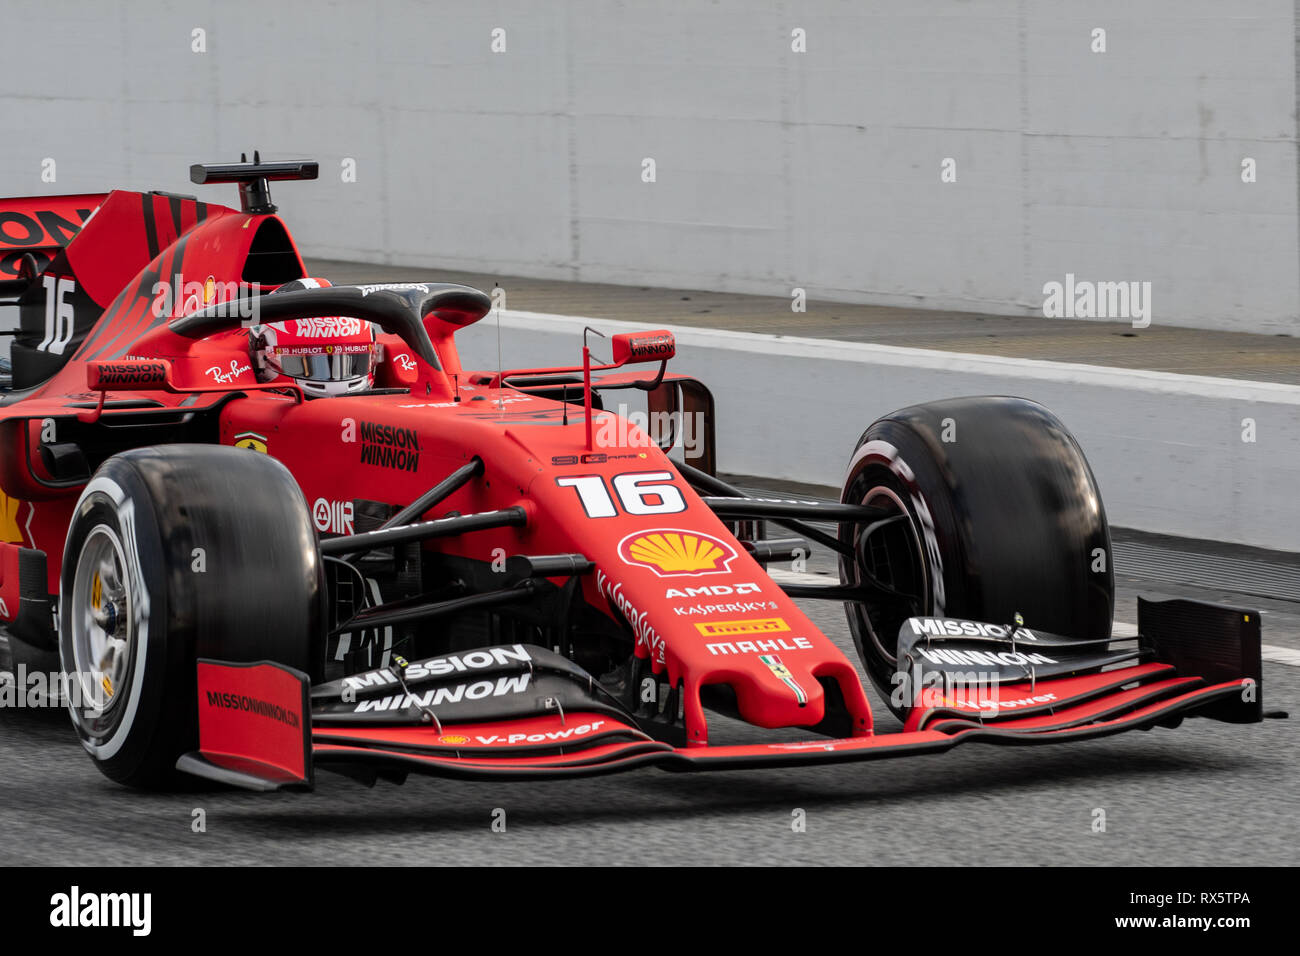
(838, 350)
(1269, 652)
(1281, 655)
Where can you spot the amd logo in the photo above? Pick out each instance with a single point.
(713, 590)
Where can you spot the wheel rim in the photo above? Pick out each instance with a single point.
(892, 556)
(103, 622)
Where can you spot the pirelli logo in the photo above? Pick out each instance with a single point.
(764, 625)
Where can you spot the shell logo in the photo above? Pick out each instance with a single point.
(210, 290)
(453, 739)
(671, 552)
(11, 529)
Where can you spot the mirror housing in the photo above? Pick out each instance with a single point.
(149, 375)
(657, 345)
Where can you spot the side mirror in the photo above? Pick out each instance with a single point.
(635, 347)
(150, 375)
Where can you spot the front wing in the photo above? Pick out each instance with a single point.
(262, 726)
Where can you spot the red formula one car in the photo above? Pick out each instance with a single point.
(271, 525)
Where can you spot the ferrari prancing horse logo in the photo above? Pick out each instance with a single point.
(251, 440)
(782, 673)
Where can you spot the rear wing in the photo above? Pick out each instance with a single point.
(84, 264)
(32, 231)
(68, 260)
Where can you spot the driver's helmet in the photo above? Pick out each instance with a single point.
(334, 355)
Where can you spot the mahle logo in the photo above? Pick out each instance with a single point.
(670, 552)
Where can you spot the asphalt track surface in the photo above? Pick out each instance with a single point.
(1205, 793)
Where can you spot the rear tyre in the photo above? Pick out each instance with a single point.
(994, 511)
(175, 553)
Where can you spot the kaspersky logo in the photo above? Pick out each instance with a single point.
(672, 552)
(783, 674)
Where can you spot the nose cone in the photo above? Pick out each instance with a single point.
(772, 679)
(699, 608)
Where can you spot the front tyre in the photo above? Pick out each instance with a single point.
(991, 509)
(175, 553)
